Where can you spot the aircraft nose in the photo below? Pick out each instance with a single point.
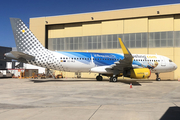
(175, 66)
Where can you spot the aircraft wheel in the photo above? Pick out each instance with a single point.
(158, 79)
(99, 78)
(114, 79)
(110, 79)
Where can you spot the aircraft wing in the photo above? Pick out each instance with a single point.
(126, 63)
(22, 57)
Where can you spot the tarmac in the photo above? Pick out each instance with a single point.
(88, 99)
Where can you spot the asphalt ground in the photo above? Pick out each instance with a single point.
(88, 99)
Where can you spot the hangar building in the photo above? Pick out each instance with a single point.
(145, 30)
(4, 50)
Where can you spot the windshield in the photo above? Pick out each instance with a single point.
(170, 60)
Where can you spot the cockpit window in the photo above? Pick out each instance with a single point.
(170, 60)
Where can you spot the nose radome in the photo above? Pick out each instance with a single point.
(175, 66)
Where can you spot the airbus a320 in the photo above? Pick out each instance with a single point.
(138, 66)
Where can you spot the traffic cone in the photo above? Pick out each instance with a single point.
(130, 85)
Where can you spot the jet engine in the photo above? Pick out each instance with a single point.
(137, 73)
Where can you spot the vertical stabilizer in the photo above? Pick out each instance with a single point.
(26, 42)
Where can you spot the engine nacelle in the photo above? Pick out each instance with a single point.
(138, 73)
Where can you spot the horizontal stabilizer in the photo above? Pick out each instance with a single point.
(22, 57)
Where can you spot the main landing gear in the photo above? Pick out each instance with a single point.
(99, 78)
(113, 79)
(157, 77)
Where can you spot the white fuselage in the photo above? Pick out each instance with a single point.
(86, 62)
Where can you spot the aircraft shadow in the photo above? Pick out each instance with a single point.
(133, 81)
(58, 80)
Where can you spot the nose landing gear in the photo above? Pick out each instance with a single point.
(157, 77)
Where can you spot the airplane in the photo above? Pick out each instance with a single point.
(113, 65)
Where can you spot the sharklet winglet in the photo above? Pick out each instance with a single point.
(124, 48)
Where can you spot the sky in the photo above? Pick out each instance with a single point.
(26, 9)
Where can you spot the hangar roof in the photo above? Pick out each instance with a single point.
(114, 14)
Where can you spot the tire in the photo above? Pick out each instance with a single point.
(110, 79)
(158, 79)
(99, 78)
(114, 79)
